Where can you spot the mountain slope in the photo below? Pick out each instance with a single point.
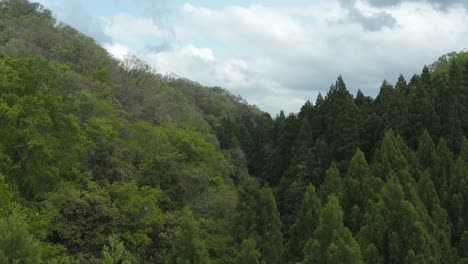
(107, 161)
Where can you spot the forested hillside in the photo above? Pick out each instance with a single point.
(108, 161)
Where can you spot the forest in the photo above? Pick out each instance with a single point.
(108, 161)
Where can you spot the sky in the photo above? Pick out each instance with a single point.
(275, 54)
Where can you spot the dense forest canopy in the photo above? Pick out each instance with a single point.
(107, 161)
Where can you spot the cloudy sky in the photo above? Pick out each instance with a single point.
(276, 54)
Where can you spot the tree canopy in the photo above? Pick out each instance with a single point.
(108, 161)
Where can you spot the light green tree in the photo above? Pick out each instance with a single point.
(249, 253)
(115, 253)
(188, 248)
(17, 245)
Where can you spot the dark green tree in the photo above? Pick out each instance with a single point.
(442, 168)
(454, 201)
(395, 229)
(421, 111)
(451, 107)
(435, 217)
(343, 123)
(303, 228)
(464, 248)
(248, 253)
(426, 150)
(285, 131)
(360, 189)
(332, 184)
(391, 159)
(258, 218)
(332, 242)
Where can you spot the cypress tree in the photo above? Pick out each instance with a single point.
(248, 253)
(343, 123)
(455, 201)
(258, 218)
(442, 168)
(422, 114)
(270, 228)
(360, 186)
(389, 158)
(435, 217)
(450, 108)
(332, 242)
(426, 150)
(396, 230)
(332, 184)
(306, 222)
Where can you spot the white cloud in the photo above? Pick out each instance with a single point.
(303, 49)
(188, 61)
(125, 28)
(117, 50)
(251, 27)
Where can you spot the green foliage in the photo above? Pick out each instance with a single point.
(332, 242)
(82, 219)
(360, 190)
(455, 202)
(138, 219)
(306, 222)
(342, 125)
(258, 218)
(98, 153)
(17, 245)
(6, 196)
(396, 230)
(390, 159)
(426, 150)
(115, 252)
(391, 106)
(421, 109)
(332, 184)
(443, 64)
(188, 248)
(248, 253)
(180, 162)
